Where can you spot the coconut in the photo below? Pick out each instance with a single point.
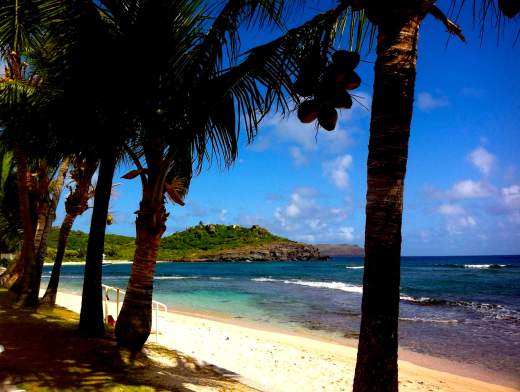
(345, 59)
(509, 8)
(335, 73)
(308, 111)
(342, 100)
(352, 82)
(327, 118)
(110, 219)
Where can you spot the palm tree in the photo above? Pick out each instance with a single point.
(20, 99)
(75, 205)
(27, 119)
(392, 105)
(50, 195)
(397, 25)
(195, 107)
(81, 63)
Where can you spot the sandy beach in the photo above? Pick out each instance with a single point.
(273, 361)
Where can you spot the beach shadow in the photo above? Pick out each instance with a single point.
(44, 351)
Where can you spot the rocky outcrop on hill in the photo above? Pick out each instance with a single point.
(270, 252)
(334, 250)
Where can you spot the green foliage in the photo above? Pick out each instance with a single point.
(200, 240)
(10, 225)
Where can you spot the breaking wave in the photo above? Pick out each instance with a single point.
(477, 266)
(325, 285)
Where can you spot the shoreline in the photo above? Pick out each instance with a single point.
(234, 342)
(51, 263)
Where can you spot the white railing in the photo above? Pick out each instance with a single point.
(113, 305)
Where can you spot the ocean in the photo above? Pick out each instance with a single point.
(465, 309)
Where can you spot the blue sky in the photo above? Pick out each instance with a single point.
(462, 193)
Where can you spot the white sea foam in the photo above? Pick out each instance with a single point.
(266, 280)
(309, 283)
(175, 277)
(485, 265)
(355, 267)
(426, 320)
(329, 285)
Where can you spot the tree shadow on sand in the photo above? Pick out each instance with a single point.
(44, 351)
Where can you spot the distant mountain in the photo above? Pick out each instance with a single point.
(334, 250)
(198, 243)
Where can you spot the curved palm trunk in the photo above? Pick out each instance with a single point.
(392, 105)
(91, 316)
(50, 218)
(41, 223)
(75, 205)
(135, 320)
(49, 297)
(27, 255)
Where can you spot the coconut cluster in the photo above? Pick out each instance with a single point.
(326, 88)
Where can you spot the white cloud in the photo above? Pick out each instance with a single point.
(346, 233)
(223, 215)
(336, 170)
(303, 218)
(482, 159)
(469, 189)
(450, 209)
(511, 196)
(456, 218)
(292, 210)
(297, 156)
(460, 224)
(278, 130)
(427, 102)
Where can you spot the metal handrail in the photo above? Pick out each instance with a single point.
(156, 306)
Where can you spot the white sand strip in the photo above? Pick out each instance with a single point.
(273, 361)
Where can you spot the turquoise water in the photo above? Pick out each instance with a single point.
(461, 308)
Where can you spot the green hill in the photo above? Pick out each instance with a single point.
(198, 242)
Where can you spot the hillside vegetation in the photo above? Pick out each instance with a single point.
(201, 241)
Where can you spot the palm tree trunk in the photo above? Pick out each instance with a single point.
(91, 316)
(135, 319)
(13, 273)
(46, 215)
(41, 221)
(52, 288)
(51, 216)
(27, 255)
(392, 105)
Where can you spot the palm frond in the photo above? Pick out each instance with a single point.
(223, 39)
